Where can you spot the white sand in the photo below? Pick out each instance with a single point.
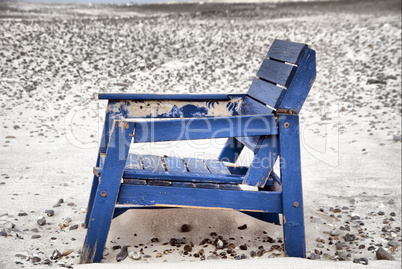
(53, 65)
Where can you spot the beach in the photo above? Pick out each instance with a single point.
(56, 58)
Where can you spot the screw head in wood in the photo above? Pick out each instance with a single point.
(286, 125)
(103, 194)
(296, 204)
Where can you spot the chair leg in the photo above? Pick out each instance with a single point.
(292, 196)
(91, 199)
(107, 192)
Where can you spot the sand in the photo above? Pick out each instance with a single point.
(56, 58)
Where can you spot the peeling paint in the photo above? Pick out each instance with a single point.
(182, 109)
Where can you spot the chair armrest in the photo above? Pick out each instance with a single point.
(204, 128)
(161, 97)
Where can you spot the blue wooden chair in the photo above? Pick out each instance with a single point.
(265, 120)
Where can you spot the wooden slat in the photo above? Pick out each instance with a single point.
(182, 184)
(263, 163)
(206, 185)
(154, 182)
(177, 97)
(231, 150)
(205, 128)
(276, 72)
(196, 165)
(250, 106)
(184, 177)
(174, 164)
(135, 181)
(134, 162)
(265, 92)
(287, 51)
(229, 187)
(216, 167)
(260, 201)
(152, 163)
(301, 84)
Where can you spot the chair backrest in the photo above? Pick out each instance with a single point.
(282, 83)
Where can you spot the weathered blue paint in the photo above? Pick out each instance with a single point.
(276, 72)
(265, 92)
(114, 112)
(301, 84)
(133, 162)
(164, 183)
(261, 201)
(107, 192)
(287, 51)
(175, 176)
(292, 199)
(231, 150)
(152, 163)
(216, 167)
(174, 164)
(178, 97)
(263, 162)
(196, 166)
(204, 128)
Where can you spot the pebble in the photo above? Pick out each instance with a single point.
(158, 255)
(116, 247)
(135, 255)
(343, 256)
(56, 255)
(218, 243)
(41, 221)
(314, 256)
(350, 237)
(272, 256)
(70, 204)
(122, 254)
(35, 236)
(49, 212)
(188, 248)
(243, 227)
(335, 232)
(393, 214)
(243, 247)
(382, 254)
(6, 224)
(154, 240)
(363, 261)
(213, 257)
(381, 213)
(74, 227)
(393, 244)
(320, 245)
(185, 228)
(35, 259)
(3, 233)
(241, 257)
(205, 241)
(22, 214)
